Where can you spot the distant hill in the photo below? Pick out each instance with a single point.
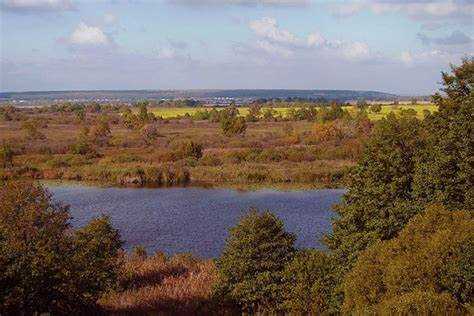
(134, 95)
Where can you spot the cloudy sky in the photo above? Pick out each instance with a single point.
(395, 46)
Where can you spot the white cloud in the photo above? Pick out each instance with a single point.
(406, 57)
(316, 39)
(345, 9)
(88, 35)
(455, 38)
(282, 42)
(274, 49)
(109, 19)
(166, 53)
(287, 3)
(356, 50)
(429, 57)
(268, 28)
(24, 6)
(425, 10)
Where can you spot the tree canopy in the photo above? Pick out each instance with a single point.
(252, 262)
(427, 268)
(44, 266)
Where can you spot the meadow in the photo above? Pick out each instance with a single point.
(173, 112)
(153, 146)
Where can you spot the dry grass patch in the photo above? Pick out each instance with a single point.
(178, 285)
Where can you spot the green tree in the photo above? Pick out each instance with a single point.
(378, 201)
(426, 269)
(252, 262)
(445, 166)
(95, 258)
(44, 267)
(308, 284)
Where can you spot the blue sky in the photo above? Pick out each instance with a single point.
(397, 46)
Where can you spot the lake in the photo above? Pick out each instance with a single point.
(195, 220)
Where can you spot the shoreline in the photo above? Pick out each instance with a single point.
(284, 187)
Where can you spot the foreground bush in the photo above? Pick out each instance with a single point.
(44, 267)
(427, 269)
(251, 265)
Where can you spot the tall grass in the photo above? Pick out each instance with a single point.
(177, 285)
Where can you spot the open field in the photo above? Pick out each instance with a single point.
(289, 154)
(419, 108)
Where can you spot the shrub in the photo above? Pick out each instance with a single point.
(252, 262)
(6, 155)
(7, 113)
(426, 269)
(82, 146)
(149, 133)
(255, 111)
(288, 129)
(129, 119)
(32, 130)
(100, 133)
(210, 159)
(233, 126)
(139, 253)
(201, 115)
(44, 267)
(80, 115)
(376, 108)
(190, 149)
(331, 113)
(269, 115)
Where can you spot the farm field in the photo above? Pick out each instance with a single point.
(174, 112)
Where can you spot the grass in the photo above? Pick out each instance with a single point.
(178, 285)
(386, 109)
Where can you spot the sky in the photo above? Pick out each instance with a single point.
(397, 46)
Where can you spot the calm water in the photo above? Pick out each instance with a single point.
(195, 220)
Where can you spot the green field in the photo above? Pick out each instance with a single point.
(419, 108)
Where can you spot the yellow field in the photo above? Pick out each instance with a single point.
(419, 108)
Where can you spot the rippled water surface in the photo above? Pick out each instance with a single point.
(195, 220)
